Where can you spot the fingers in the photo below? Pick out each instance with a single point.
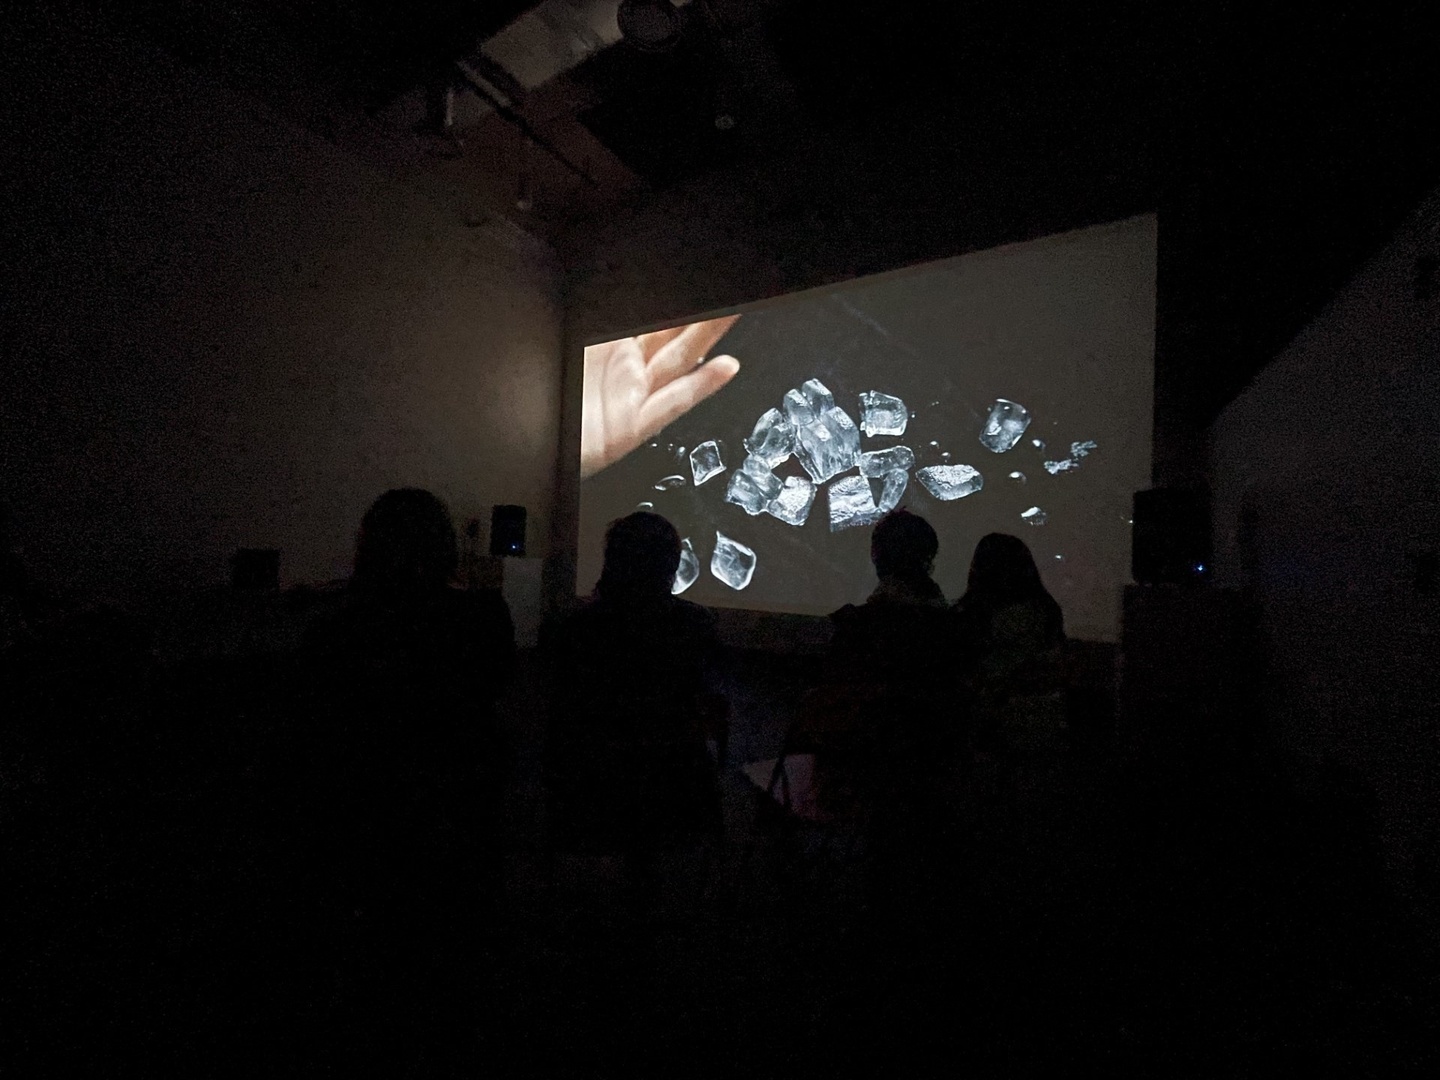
(674, 355)
(679, 396)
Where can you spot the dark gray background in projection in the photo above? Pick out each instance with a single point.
(1063, 325)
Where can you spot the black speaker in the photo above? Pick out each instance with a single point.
(255, 570)
(1170, 538)
(507, 530)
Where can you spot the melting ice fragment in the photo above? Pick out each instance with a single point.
(688, 572)
(829, 445)
(947, 482)
(880, 462)
(752, 486)
(670, 482)
(733, 562)
(895, 481)
(792, 505)
(1006, 423)
(851, 503)
(1081, 449)
(882, 414)
(1064, 465)
(1035, 516)
(705, 461)
(773, 439)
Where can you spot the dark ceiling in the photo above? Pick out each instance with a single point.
(1279, 150)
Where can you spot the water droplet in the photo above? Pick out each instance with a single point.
(645, 506)
(670, 482)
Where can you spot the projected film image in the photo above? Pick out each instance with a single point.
(1005, 391)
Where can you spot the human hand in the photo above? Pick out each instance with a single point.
(635, 386)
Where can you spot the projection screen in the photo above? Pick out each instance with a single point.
(1003, 391)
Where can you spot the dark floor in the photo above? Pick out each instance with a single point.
(1148, 914)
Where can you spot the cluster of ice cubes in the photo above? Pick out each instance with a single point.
(825, 442)
(732, 563)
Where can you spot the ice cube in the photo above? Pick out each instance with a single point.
(880, 462)
(818, 395)
(798, 409)
(1063, 465)
(752, 486)
(670, 482)
(851, 503)
(733, 562)
(760, 471)
(1081, 449)
(1035, 516)
(1006, 423)
(895, 481)
(792, 505)
(773, 439)
(1018, 477)
(829, 445)
(705, 461)
(947, 482)
(688, 572)
(882, 414)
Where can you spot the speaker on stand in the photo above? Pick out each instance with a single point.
(1170, 537)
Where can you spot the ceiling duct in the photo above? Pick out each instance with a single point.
(552, 38)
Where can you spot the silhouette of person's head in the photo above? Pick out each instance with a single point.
(407, 545)
(1003, 566)
(903, 545)
(642, 553)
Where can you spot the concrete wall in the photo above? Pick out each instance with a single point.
(223, 331)
(1326, 499)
